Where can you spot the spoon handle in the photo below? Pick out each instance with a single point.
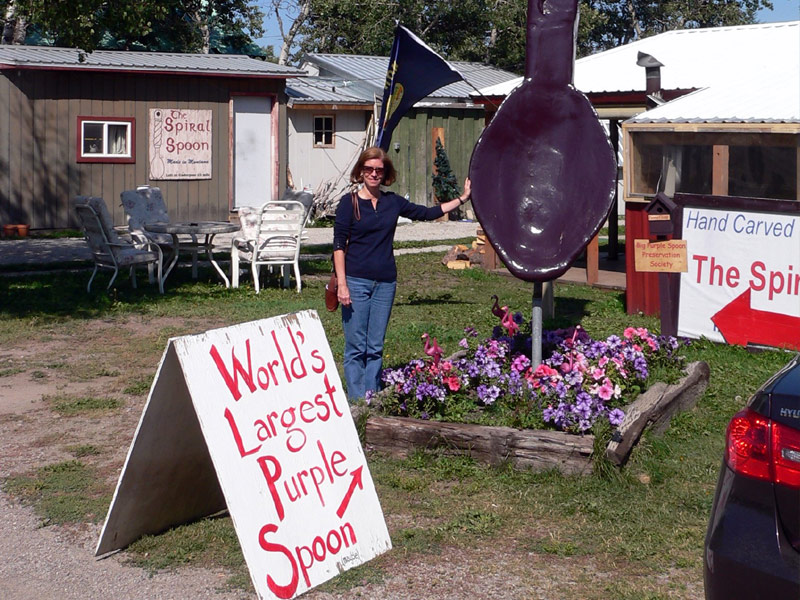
(552, 27)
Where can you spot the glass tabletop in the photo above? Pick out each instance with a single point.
(197, 227)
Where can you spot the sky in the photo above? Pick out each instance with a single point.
(783, 10)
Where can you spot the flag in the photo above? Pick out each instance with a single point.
(414, 72)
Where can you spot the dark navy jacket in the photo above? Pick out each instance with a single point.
(370, 254)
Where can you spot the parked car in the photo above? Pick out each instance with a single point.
(752, 547)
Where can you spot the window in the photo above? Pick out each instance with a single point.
(660, 164)
(323, 131)
(743, 164)
(763, 172)
(102, 139)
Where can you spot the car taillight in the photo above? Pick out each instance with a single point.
(760, 448)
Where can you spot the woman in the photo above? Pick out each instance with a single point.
(363, 258)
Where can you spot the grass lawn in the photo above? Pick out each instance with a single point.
(643, 524)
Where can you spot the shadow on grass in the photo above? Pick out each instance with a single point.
(414, 299)
(56, 294)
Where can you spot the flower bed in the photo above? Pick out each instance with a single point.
(580, 383)
(488, 400)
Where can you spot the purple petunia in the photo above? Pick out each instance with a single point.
(580, 381)
(615, 417)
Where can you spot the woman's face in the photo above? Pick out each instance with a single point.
(372, 171)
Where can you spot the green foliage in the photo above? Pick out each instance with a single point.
(210, 542)
(67, 492)
(70, 406)
(82, 450)
(164, 25)
(138, 387)
(494, 31)
(445, 185)
(611, 24)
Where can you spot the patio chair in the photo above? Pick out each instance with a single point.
(271, 236)
(109, 250)
(146, 205)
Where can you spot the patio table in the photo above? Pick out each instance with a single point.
(207, 229)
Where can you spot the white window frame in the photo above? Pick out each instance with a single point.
(104, 155)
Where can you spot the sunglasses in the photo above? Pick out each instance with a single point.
(377, 170)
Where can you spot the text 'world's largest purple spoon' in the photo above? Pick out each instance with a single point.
(543, 171)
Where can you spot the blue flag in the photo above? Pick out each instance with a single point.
(414, 72)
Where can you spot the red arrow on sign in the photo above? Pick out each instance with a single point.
(739, 324)
(356, 482)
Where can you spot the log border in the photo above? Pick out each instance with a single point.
(536, 449)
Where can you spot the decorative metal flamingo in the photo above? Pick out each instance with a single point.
(496, 310)
(508, 322)
(432, 349)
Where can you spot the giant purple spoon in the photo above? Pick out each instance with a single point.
(543, 171)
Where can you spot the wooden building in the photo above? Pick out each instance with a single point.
(205, 128)
(448, 113)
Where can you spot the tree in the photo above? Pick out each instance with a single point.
(455, 29)
(623, 21)
(176, 25)
(445, 184)
(494, 31)
(295, 12)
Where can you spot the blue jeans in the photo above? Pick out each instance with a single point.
(364, 323)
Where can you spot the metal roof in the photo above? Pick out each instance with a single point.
(327, 90)
(762, 98)
(692, 58)
(47, 57)
(745, 73)
(370, 71)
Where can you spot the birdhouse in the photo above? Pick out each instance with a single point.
(662, 213)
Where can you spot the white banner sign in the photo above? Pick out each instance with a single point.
(180, 144)
(743, 282)
(278, 430)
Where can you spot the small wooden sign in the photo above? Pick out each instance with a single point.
(660, 257)
(253, 417)
(180, 144)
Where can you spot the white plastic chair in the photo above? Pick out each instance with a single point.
(109, 251)
(271, 236)
(146, 205)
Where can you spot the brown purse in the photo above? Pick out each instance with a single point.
(331, 293)
(332, 287)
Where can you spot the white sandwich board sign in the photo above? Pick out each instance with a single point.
(253, 417)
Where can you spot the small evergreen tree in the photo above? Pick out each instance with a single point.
(445, 184)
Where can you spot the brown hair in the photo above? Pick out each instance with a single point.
(389, 174)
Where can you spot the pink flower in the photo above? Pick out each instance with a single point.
(606, 390)
(603, 361)
(544, 371)
(598, 374)
(453, 382)
(520, 363)
(446, 366)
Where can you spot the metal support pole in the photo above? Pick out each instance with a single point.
(536, 326)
